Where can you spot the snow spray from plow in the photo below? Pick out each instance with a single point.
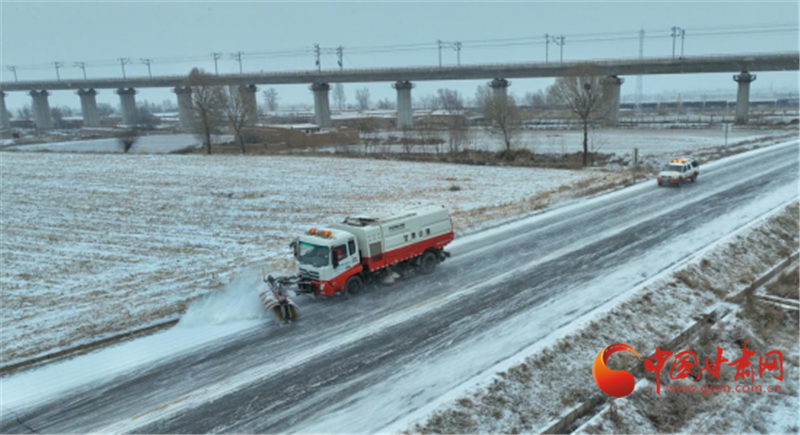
(238, 301)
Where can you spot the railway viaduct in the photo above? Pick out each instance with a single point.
(402, 79)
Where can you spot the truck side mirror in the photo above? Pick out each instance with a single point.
(335, 260)
(294, 247)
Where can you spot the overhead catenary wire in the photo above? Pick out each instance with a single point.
(465, 44)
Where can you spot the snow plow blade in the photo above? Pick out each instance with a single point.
(276, 299)
(283, 312)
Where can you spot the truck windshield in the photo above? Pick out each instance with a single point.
(673, 168)
(313, 255)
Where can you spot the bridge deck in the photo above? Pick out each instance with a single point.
(621, 67)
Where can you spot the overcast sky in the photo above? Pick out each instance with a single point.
(40, 33)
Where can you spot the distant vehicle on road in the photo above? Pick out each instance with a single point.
(678, 171)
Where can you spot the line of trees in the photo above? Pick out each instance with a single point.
(580, 91)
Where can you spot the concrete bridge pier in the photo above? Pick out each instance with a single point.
(322, 108)
(248, 95)
(89, 107)
(41, 110)
(612, 87)
(500, 87)
(5, 119)
(185, 109)
(405, 118)
(127, 105)
(743, 96)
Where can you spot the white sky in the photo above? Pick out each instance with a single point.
(40, 33)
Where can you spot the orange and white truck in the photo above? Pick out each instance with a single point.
(342, 258)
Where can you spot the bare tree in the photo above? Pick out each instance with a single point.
(25, 113)
(580, 90)
(386, 104)
(537, 100)
(58, 117)
(450, 101)
(482, 94)
(271, 98)
(453, 104)
(105, 110)
(502, 115)
(207, 101)
(339, 96)
(168, 106)
(236, 112)
(362, 98)
(428, 102)
(145, 120)
(407, 139)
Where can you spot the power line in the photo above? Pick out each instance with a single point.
(475, 44)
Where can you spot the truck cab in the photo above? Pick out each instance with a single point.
(326, 259)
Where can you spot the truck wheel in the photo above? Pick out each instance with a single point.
(694, 178)
(427, 263)
(354, 285)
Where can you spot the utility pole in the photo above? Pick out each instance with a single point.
(58, 65)
(676, 31)
(148, 62)
(13, 69)
(726, 126)
(122, 62)
(82, 65)
(546, 48)
(317, 53)
(683, 37)
(238, 57)
(216, 58)
(558, 40)
(457, 47)
(340, 55)
(638, 104)
(439, 42)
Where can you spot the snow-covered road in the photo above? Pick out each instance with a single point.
(374, 362)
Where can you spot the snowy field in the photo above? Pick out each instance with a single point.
(154, 144)
(621, 142)
(95, 244)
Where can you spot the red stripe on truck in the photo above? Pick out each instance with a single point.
(410, 251)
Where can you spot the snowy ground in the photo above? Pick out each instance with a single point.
(617, 141)
(95, 244)
(153, 144)
(392, 352)
(551, 380)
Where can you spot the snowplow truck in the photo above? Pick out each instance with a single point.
(344, 257)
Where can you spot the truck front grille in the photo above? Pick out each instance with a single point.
(308, 273)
